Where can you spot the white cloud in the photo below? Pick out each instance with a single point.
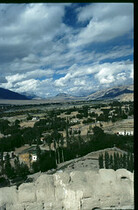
(27, 85)
(112, 72)
(40, 73)
(106, 21)
(43, 55)
(86, 77)
(15, 78)
(115, 52)
(104, 11)
(108, 79)
(32, 29)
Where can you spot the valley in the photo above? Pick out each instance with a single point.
(60, 136)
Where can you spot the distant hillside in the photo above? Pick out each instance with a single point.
(31, 95)
(8, 94)
(120, 93)
(126, 97)
(64, 96)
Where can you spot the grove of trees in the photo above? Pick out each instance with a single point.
(116, 161)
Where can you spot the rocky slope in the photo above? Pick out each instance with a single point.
(76, 190)
(120, 93)
(126, 97)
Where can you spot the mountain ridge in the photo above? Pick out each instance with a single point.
(8, 94)
(117, 93)
(121, 93)
(111, 93)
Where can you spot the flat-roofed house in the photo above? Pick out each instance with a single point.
(28, 156)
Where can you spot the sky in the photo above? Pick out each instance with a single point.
(73, 48)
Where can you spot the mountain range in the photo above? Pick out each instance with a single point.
(112, 93)
(123, 93)
(8, 94)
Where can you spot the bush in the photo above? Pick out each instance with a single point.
(4, 182)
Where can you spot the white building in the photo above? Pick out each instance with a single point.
(34, 157)
(35, 118)
(125, 133)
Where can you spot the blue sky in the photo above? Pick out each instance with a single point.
(50, 48)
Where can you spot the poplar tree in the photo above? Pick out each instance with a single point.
(2, 163)
(120, 162)
(115, 162)
(124, 161)
(131, 162)
(106, 160)
(9, 170)
(111, 162)
(38, 152)
(101, 165)
(128, 162)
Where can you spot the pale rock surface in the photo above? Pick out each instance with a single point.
(76, 190)
(44, 188)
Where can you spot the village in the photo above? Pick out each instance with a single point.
(32, 135)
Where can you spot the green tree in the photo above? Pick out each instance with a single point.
(21, 169)
(131, 162)
(17, 166)
(9, 170)
(111, 161)
(107, 160)
(35, 167)
(118, 160)
(101, 165)
(115, 162)
(4, 124)
(56, 136)
(98, 132)
(24, 170)
(62, 151)
(80, 140)
(38, 152)
(17, 123)
(124, 161)
(2, 163)
(48, 140)
(128, 162)
(67, 124)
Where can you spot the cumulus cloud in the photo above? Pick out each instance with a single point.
(43, 54)
(102, 74)
(108, 71)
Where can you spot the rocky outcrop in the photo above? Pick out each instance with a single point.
(103, 189)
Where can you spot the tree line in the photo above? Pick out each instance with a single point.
(116, 161)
